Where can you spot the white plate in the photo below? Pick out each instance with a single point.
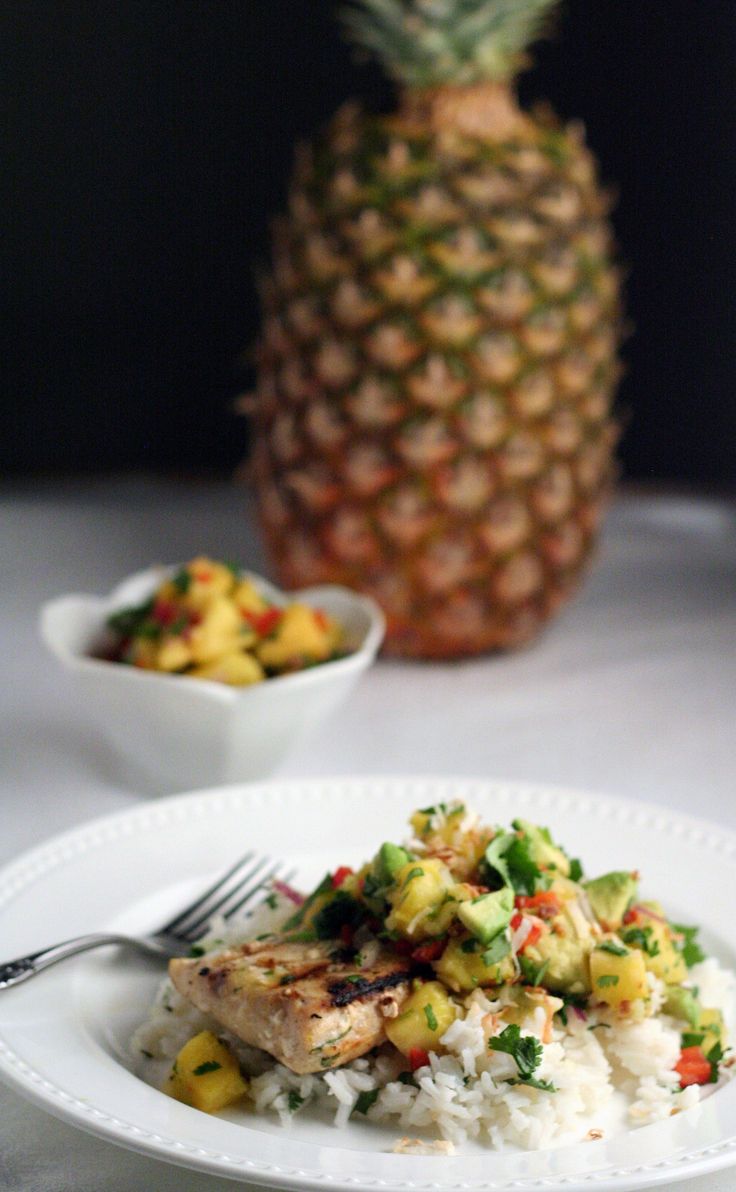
(63, 1035)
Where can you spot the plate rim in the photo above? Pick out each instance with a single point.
(18, 874)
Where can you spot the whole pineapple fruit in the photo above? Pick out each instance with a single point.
(438, 361)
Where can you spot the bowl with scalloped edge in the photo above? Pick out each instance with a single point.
(176, 733)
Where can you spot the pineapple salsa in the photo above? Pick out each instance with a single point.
(207, 621)
(492, 926)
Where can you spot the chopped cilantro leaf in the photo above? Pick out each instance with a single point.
(411, 875)
(431, 1017)
(207, 1066)
(641, 937)
(127, 621)
(342, 911)
(692, 1039)
(302, 937)
(509, 856)
(545, 1085)
(526, 1052)
(607, 980)
(365, 1100)
(182, 581)
(495, 856)
(151, 630)
(691, 951)
(714, 1057)
(196, 950)
(540, 973)
(612, 947)
(496, 951)
(526, 876)
(294, 1101)
(469, 945)
(407, 1078)
(576, 869)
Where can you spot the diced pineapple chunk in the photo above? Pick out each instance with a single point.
(235, 669)
(248, 598)
(442, 822)
(462, 967)
(217, 633)
(421, 899)
(427, 1014)
(711, 1023)
(206, 1075)
(207, 580)
(302, 633)
(173, 654)
(617, 978)
(661, 957)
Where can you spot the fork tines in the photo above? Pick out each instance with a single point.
(229, 894)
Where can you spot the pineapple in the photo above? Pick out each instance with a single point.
(432, 419)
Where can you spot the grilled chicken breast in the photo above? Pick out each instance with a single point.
(307, 1004)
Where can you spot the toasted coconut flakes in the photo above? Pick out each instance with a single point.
(416, 1146)
(593, 1135)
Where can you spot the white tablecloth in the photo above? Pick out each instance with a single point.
(631, 691)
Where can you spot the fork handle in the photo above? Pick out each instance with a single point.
(12, 972)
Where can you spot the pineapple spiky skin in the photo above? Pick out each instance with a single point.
(432, 421)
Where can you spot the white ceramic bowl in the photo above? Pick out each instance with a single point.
(176, 733)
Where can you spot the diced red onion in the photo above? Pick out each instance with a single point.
(288, 892)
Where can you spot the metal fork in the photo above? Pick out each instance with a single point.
(230, 893)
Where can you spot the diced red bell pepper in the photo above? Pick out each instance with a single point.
(320, 618)
(265, 622)
(339, 876)
(418, 1058)
(430, 951)
(546, 904)
(532, 935)
(693, 1067)
(202, 575)
(164, 612)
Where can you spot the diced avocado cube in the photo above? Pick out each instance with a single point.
(388, 862)
(488, 915)
(542, 849)
(610, 895)
(681, 1003)
(562, 961)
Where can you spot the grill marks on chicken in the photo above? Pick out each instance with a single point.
(307, 1004)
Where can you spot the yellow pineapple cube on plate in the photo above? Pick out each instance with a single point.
(206, 1075)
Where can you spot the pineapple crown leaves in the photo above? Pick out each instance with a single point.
(427, 43)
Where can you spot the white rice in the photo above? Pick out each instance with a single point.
(463, 1094)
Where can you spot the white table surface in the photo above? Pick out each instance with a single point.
(632, 691)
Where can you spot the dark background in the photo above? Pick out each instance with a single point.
(151, 141)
